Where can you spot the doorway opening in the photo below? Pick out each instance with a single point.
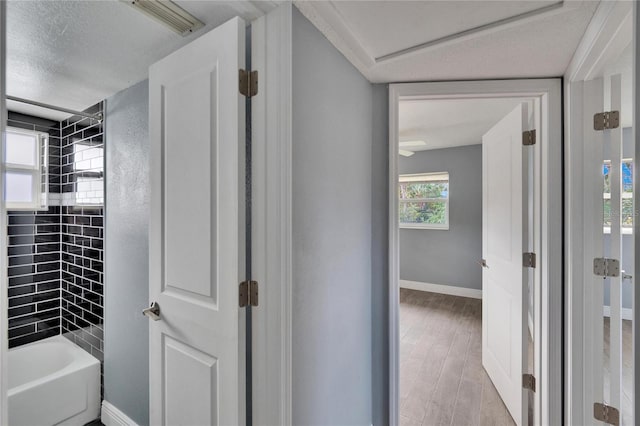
(467, 245)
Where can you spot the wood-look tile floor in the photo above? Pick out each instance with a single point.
(442, 381)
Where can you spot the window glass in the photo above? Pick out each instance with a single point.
(627, 195)
(21, 149)
(19, 187)
(26, 174)
(424, 201)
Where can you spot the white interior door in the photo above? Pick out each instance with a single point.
(197, 128)
(504, 240)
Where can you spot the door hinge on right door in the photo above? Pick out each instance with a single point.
(529, 382)
(248, 293)
(248, 83)
(606, 414)
(529, 137)
(606, 120)
(604, 267)
(529, 260)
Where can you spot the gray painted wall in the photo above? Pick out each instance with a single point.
(447, 256)
(126, 348)
(332, 225)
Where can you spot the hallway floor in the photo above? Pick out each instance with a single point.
(442, 381)
(627, 369)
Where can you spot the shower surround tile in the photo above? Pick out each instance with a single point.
(56, 256)
(82, 231)
(34, 253)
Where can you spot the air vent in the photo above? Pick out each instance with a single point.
(168, 13)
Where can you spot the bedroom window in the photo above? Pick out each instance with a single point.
(626, 221)
(424, 201)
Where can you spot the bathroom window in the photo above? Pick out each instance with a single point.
(88, 166)
(26, 174)
(424, 201)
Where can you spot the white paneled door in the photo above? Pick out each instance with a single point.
(197, 133)
(504, 240)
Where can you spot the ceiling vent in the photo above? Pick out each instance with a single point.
(170, 14)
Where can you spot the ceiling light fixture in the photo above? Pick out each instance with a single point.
(412, 144)
(406, 153)
(170, 14)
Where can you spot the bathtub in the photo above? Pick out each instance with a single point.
(53, 382)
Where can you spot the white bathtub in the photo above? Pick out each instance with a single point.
(53, 382)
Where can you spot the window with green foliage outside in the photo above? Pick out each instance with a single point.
(424, 201)
(626, 220)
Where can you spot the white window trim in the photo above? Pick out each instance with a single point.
(426, 177)
(40, 187)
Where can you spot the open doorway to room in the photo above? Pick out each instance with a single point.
(442, 258)
(467, 203)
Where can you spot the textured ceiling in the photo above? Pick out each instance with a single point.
(395, 41)
(76, 53)
(449, 123)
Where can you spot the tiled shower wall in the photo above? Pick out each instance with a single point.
(55, 266)
(82, 212)
(34, 253)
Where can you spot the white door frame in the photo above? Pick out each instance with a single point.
(4, 338)
(548, 220)
(271, 217)
(603, 40)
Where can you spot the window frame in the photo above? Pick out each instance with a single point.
(415, 177)
(39, 172)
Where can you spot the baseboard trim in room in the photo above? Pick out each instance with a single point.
(442, 289)
(111, 416)
(625, 313)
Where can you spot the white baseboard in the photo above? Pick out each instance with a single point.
(443, 289)
(111, 416)
(625, 313)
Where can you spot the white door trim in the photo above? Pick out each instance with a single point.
(271, 220)
(4, 338)
(548, 220)
(601, 42)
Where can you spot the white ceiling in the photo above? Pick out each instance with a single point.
(76, 53)
(395, 41)
(448, 123)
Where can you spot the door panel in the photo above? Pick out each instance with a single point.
(188, 107)
(504, 239)
(197, 127)
(191, 385)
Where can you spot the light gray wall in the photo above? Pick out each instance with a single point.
(332, 224)
(447, 256)
(380, 255)
(126, 347)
